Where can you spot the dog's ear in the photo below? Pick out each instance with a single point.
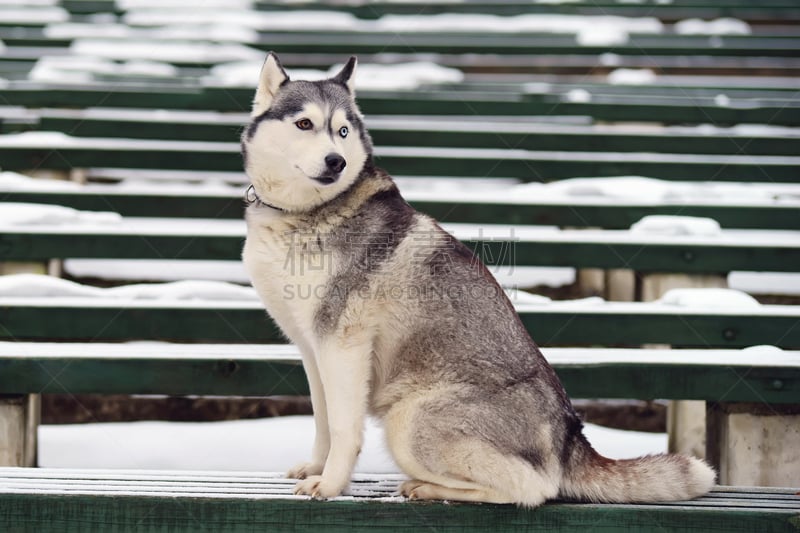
(272, 77)
(347, 76)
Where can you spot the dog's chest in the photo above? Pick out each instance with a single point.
(291, 270)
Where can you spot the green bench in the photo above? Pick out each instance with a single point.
(500, 246)
(528, 165)
(147, 500)
(779, 112)
(569, 211)
(50, 501)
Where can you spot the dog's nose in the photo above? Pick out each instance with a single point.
(335, 162)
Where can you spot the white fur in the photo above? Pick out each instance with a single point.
(282, 159)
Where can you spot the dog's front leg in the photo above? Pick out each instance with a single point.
(322, 438)
(344, 372)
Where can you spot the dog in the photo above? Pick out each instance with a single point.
(397, 319)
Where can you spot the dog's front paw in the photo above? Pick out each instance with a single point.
(303, 470)
(318, 487)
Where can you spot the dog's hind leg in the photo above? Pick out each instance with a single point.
(447, 463)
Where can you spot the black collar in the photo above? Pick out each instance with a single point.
(250, 197)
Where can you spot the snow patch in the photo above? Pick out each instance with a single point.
(258, 20)
(627, 187)
(34, 285)
(127, 5)
(79, 30)
(714, 298)
(600, 28)
(631, 76)
(368, 76)
(603, 35)
(578, 96)
(676, 225)
(720, 26)
(16, 14)
(12, 181)
(265, 445)
(722, 100)
(165, 51)
(24, 214)
(85, 69)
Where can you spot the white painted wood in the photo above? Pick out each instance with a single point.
(18, 424)
(620, 285)
(754, 356)
(592, 281)
(755, 444)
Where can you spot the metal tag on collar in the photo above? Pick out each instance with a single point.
(250, 195)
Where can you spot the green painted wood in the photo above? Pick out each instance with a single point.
(508, 251)
(248, 377)
(429, 133)
(298, 41)
(411, 161)
(760, 12)
(696, 111)
(45, 513)
(240, 323)
(602, 214)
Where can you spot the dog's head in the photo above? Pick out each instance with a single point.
(306, 141)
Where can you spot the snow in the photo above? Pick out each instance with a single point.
(24, 214)
(759, 356)
(638, 190)
(84, 69)
(258, 20)
(39, 286)
(368, 76)
(164, 51)
(720, 26)
(709, 298)
(266, 445)
(17, 14)
(215, 32)
(676, 225)
(578, 96)
(632, 76)
(150, 270)
(127, 5)
(786, 283)
(722, 100)
(608, 29)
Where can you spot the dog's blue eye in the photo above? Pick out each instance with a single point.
(343, 131)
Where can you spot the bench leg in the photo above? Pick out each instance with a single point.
(754, 444)
(19, 423)
(686, 419)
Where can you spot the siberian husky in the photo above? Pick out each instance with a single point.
(397, 319)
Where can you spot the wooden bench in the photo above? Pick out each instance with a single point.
(727, 378)
(50, 500)
(476, 208)
(40, 499)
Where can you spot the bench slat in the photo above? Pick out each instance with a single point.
(43, 504)
(609, 324)
(124, 95)
(526, 165)
(574, 211)
(497, 246)
(276, 370)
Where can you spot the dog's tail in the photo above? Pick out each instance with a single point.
(652, 478)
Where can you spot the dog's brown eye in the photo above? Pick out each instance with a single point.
(304, 124)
